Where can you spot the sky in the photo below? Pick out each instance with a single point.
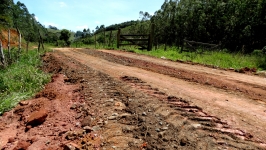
(76, 15)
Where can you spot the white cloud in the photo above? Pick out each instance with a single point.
(97, 22)
(37, 19)
(62, 4)
(81, 27)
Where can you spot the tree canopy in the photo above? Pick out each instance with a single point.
(237, 24)
(17, 16)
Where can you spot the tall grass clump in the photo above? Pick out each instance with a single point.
(219, 58)
(21, 80)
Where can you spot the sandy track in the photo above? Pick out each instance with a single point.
(239, 110)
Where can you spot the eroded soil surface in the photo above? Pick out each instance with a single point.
(118, 100)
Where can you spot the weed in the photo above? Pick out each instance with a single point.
(21, 80)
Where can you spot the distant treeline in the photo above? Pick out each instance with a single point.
(17, 16)
(240, 25)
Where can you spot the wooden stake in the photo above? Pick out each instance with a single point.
(8, 45)
(151, 37)
(19, 41)
(2, 57)
(110, 36)
(118, 37)
(95, 40)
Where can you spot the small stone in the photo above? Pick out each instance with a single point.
(78, 115)
(71, 146)
(112, 117)
(23, 103)
(74, 106)
(88, 129)
(77, 124)
(161, 123)
(124, 115)
(96, 128)
(165, 128)
(114, 147)
(22, 145)
(144, 114)
(110, 100)
(126, 129)
(196, 125)
(71, 135)
(11, 140)
(149, 110)
(157, 129)
(37, 118)
(115, 114)
(86, 121)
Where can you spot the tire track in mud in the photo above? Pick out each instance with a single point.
(250, 90)
(148, 109)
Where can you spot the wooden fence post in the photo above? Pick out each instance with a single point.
(118, 37)
(151, 38)
(104, 38)
(95, 40)
(41, 40)
(19, 41)
(8, 45)
(2, 57)
(110, 36)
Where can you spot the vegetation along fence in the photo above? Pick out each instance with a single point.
(144, 41)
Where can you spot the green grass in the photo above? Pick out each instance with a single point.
(21, 80)
(220, 59)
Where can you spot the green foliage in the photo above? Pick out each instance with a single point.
(65, 35)
(238, 25)
(21, 80)
(222, 59)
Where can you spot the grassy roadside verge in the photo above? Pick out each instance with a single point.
(221, 59)
(21, 80)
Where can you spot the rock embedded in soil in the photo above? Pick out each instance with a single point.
(23, 103)
(71, 146)
(36, 118)
(11, 140)
(86, 121)
(22, 145)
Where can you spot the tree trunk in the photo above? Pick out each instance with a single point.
(27, 47)
(41, 40)
(8, 45)
(19, 42)
(2, 57)
(39, 45)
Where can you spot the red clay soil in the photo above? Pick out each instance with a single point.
(105, 100)
(14, 38)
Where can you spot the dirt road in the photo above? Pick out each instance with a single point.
(143, 102)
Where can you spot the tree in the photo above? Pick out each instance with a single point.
(53, 27)
(6, 12)
(65, 35)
